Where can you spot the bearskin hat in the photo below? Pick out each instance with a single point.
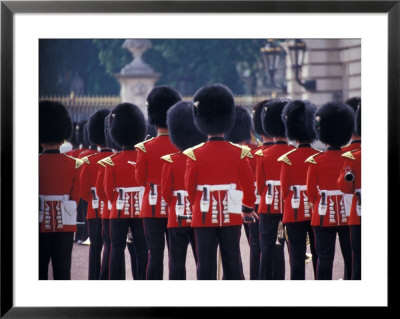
(241, 130)
(354, 103)
(85, 138)
(358, 121)
(79, 131)
(159, 100)
(334, 123)
(73, 139)
(127, 125)
(96, 127)
(298, 117)
(151, 130)
(109, 141)
(182, 131)
(214, 109)
(55, 123)
(257, 124)
(271, 118)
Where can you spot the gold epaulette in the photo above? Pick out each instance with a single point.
(141, 145)
(246, 151)
(189, 152)
(108, 160)
(259, 153)
(259, 142)
(86, 158)
(167, 158)
(284, 158)
(350, 155)
(101, 163)
(311, 158)
(78, 161)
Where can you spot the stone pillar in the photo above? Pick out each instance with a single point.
(335, 65)
(137, 78)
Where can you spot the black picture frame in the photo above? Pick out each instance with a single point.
(9, 8)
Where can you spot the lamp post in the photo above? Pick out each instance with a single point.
(297, 49)
(271, 54)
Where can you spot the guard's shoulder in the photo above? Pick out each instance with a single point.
(86, 158)
(245, 150)
(167, 158)
(141, 146)
(108, 160)
(259, 153)
(78, 161)
(285, 157)
(349, 154)
(190, 151)
(311, 159)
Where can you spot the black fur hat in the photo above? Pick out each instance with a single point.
(55, 123)
(257, 124)
(354, 103)
(159, 100)
(334, 123)
(298, 117)
(271, 117)
(214, 109)
(127, 125)
(241, 130)
(73, 139)
(151, 130)
(109, 141)
(358, 121)
(79, 131)
(85, 138)
(182, 131)
(96, 127)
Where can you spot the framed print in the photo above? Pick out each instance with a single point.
(24, 23)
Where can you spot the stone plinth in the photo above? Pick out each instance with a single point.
(137, 78)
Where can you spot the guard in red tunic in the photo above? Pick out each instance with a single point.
(241, 134)
(355, 142)
(127, 127)
(183, 134)
(268, 185)
(89, 192)
(220, 185)
(334, 124)
(298, 117)
(349, 182)
(58, 192)
(148, 174)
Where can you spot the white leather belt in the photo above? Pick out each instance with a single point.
(331, 193)
(274, 183)
(357, 190)
(129, 189)
(299, 187)
(185, 193)
(50, 198)
(221, 187)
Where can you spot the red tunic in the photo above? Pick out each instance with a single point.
(88, 179)
(172, 180)
(85, 152)
(353, 145)
(58, 175)
(148, 171)
(294, 173)
(268, 169)
(74, 153)
(322, 175)
(218, 163)
(120, 173)
(353, 163)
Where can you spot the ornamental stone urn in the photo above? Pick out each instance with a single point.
(137, 78)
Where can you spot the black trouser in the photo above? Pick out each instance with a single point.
(56, 247)
(345, 246)
(155, 230)
(96, 244)
(81, 229)
(297, 244)
(313, 250)
(278, 260)
(268, 235)
(325, 240)
(118, 234)
(179, 239)
(207, 240)
(105, 262)
(132, 254)
(355, 236)
(253, 237)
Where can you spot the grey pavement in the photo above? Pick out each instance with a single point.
(80, 258)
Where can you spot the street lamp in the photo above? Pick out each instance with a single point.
(297, 49)
(271, 54)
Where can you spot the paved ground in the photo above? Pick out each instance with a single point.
(80, 263)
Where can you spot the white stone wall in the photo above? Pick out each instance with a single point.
(335, 64)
